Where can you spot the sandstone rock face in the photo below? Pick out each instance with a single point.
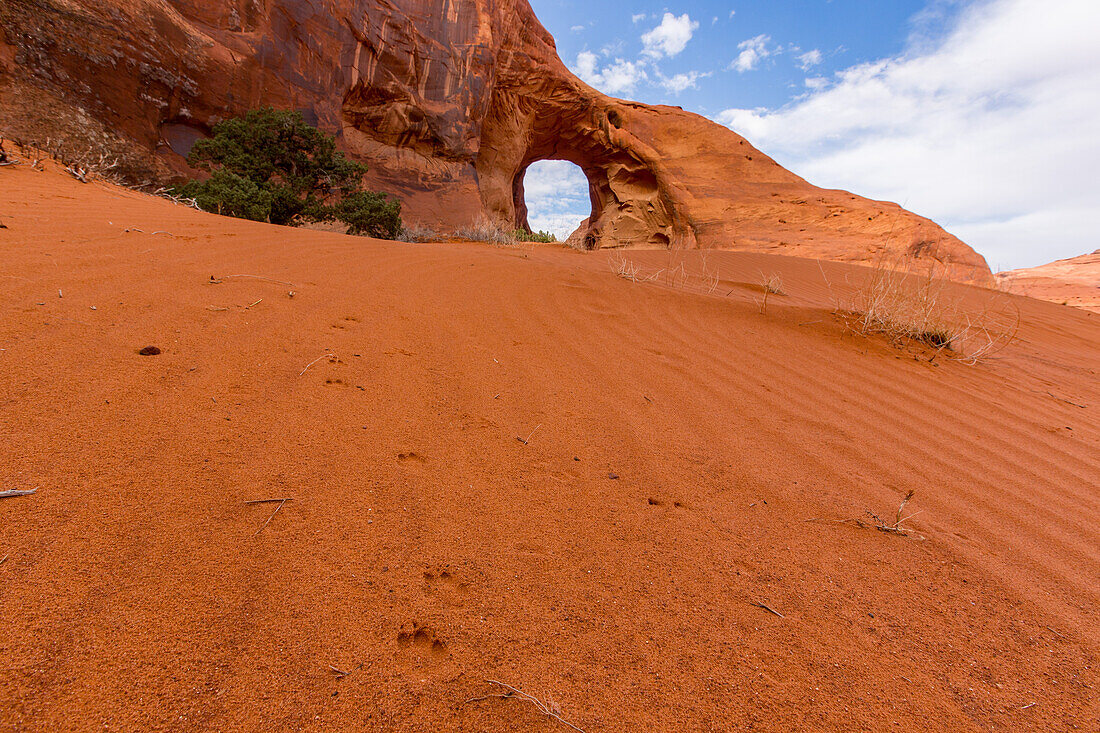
(448, 101)
(1074, 281)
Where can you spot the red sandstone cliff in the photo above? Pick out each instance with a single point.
(448, 101)
(1074, 281)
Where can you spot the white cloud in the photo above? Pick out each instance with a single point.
(670, 37)
(576, 28)
(617, 77)
(809, 59)
(637, 18)
(816, 82)
(991, 131)
(556, 193)
(753, 51)
(679, 82)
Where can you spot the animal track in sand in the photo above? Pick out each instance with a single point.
(421, 645)
(443, 584)
(411, 457)
(654, 501)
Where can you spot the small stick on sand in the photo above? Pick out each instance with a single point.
(322, 356)
(1063, 399)
(3, 559)
(252, 304)
(1031, 705)
(265, 279)
(768, 608)
(265, 501)
(215, 308)
(528, 440)
(338, 672)
(17, 492)
(549, 711)
(269, 501)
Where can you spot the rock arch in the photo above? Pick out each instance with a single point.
(447, 101)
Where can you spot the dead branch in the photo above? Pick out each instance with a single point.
(78, 172)
(17, 492)
(550, 710)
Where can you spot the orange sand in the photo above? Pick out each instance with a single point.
(678, 443)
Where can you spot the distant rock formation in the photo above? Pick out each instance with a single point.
(448, 101)
(1074, 281)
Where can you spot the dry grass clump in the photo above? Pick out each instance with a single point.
(626, 269)
(771, 285)
(675, 275)
(895, 527)
(417, 232)
(927, 309)
(485, 231)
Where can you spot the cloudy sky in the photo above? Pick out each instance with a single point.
(981, 114)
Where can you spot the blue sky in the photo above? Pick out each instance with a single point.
(980, 114)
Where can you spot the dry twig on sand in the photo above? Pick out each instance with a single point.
(327, 354)
(1068, 402)
(17, 492)
(549, 709)
(767, 608)
(269, 501)
(527, 440)
(265, 279)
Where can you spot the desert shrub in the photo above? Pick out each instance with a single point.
(270, 165)
(371, 214)
(522, 235)
(228, 194)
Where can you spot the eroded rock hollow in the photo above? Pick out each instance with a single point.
(448, 101)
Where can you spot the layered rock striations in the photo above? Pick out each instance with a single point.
(448, 101)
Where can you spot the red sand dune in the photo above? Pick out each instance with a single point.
(678, 443)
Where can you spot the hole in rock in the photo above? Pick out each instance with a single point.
(552, 196)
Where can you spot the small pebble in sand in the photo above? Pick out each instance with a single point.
(149, 351)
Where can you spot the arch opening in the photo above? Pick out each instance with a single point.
(554, 196)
